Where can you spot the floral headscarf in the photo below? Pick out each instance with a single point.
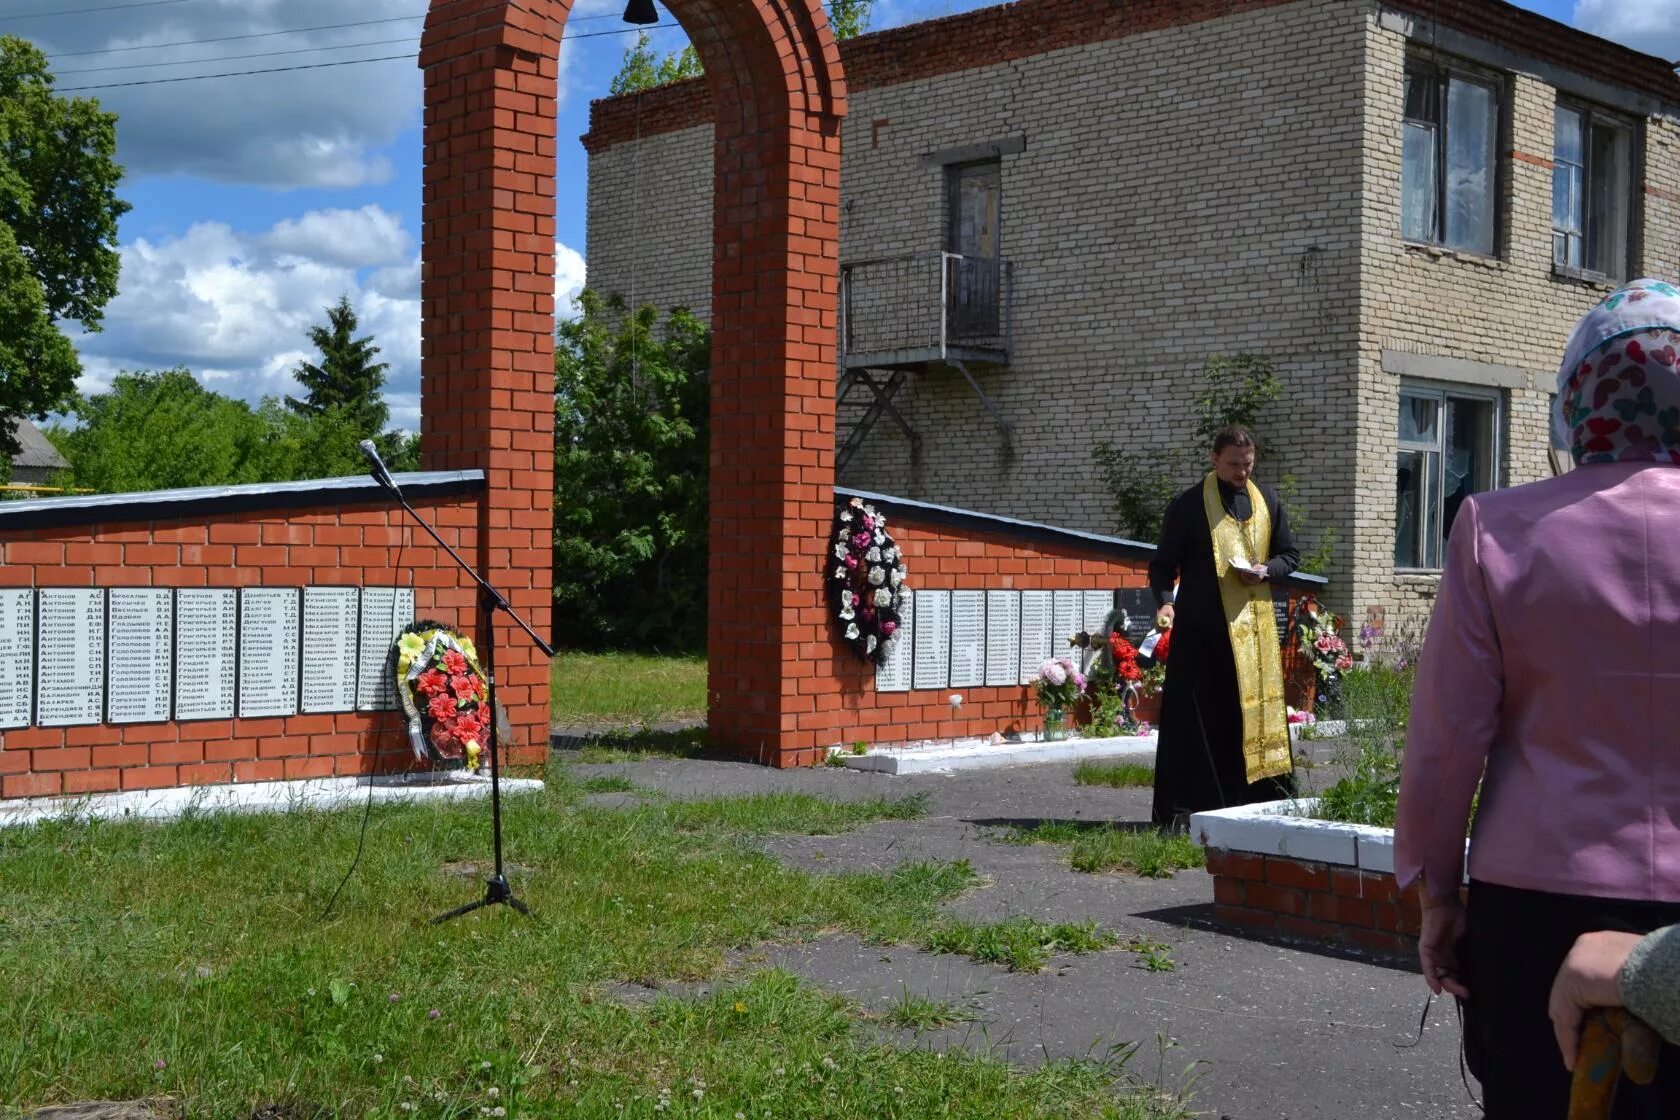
(1618, 396)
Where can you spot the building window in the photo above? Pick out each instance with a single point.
(1448, 450)
(1592, 177)
(1448, 163)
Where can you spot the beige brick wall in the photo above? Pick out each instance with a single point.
(1660, 213)
(1229, 186)
(1509, 311)
(1181, 193)
(650, 221)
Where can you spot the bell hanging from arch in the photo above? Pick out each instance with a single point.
(641, 12)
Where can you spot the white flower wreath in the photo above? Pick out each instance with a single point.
(865, 587)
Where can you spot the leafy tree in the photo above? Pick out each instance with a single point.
(630, 444)
(163, 430)
(1234, 391)
(348, 379)
(159, 431)
(645, 68)
(58, 232)
(400, 450)
(849, 18)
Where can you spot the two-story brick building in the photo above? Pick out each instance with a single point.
(1054, 211)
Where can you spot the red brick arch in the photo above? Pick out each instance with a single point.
(487, 352)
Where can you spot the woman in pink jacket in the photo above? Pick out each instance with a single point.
(1550, 674)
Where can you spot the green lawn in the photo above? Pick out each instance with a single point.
(1121, 775)
(626, 689)
(191, 960)
(1140, 851)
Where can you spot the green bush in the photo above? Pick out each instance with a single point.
(631, 415)
(1377, 701)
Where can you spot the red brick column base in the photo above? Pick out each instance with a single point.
(1311, 901)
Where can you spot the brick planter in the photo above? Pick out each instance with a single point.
(1279, 872)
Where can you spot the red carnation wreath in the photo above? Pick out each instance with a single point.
(444, 694)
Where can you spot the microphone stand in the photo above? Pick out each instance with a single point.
(496, 888)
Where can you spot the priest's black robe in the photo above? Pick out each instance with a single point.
(1198, 756)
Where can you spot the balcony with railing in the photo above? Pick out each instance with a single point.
(901, 317)
(924, 308)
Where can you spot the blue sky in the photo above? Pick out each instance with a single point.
(259, 199)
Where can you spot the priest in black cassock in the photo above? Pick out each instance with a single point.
(1224, 732)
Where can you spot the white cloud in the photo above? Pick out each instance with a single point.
(350, 237)
(1648, 26)
(319, 127)
(236, 308)
(568, 280)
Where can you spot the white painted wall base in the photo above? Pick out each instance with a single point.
(1284, 828)
(258, 797)
(982, 754)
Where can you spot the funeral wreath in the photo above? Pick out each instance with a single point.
(865, 580)
(443, 693)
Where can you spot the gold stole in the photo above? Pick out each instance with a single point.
(1253, 630)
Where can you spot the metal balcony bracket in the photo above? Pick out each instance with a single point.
(986, 401)
(882, 393)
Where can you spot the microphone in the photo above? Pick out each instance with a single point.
(380, 474)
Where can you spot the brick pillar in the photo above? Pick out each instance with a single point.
(487, 363)
(487, 314)
(775, 277)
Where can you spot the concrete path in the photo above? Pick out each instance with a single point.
(1258, 1030)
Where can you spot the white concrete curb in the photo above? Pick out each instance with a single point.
(982, 754)
(257, 797)
(1285, 828)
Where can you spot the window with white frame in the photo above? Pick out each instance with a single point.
(1592, 178)
(1448, 450)
(1449, 165)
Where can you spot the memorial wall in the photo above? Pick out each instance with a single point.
(991, 598)
(225, 635)
(235, 635)
(121, 655)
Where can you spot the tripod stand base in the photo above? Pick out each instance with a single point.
(496, 890)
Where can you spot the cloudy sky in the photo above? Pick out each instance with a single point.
(259, 199)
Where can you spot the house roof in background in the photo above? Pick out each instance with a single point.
(36, 452)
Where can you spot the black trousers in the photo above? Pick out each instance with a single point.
(1198, 756)
(1515, 942)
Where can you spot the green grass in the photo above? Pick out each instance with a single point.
(1121, 775)
(1019, 944)
(1153, 956)
(608, 783)
(638, 745)
(921, 1013)
(1145, 852)
(626, 689)
(191, 960)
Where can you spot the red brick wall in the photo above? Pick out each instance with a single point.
(953, 551)
(348, 545)
(486, 292)
(1313, 901)
(945, 558)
